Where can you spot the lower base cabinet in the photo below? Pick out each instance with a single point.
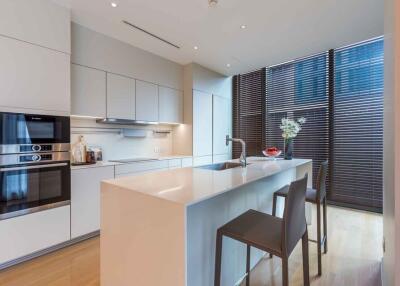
(24, 235)
(201, 161)
(221, 158)
(85, 199)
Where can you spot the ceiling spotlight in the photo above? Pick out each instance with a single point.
(228, 65)
(212, 3)
(243, 26)
(196, 47)
(114, 5)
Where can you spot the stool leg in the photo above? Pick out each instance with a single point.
(248, 265)
(306, 270)
(325, 227)
(273, 212)
(274, 205)
(319, 238)
(218, 254)
(285, 271)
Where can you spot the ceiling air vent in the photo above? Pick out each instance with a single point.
(150, 34)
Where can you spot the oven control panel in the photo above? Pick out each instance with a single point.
(36, 148)
(35, 158)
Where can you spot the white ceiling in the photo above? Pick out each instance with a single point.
(277, 30)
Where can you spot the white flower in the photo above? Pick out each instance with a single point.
(301, 120)
(290, 128)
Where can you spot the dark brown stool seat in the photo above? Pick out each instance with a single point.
(262, 230)
(317, 197)
(271, 234)
(311, 194)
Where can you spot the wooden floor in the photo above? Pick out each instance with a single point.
(355, 251)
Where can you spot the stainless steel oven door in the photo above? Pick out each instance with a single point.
(34, 187)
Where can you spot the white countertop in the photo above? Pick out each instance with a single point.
(108, 163)
(188, 186)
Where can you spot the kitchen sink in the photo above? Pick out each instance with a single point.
(221, 166)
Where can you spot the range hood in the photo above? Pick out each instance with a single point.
(124, 121)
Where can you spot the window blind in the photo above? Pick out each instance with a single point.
(249, 112)
(357, 126)
(340, 93)
(300, 89)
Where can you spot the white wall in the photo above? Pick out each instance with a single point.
(205, 80)
(116, 146)
(96, 50)
(391, 215)
(210, 81)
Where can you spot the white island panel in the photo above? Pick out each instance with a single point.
(159, 228)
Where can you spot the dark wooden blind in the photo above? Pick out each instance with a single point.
(300, 89)
(357, 126)
(249, 112)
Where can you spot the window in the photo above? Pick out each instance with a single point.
(340, 93)
(249, 112)
(299, 89)
(357, 121)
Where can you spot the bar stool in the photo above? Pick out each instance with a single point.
(271, 234)
(318, 197)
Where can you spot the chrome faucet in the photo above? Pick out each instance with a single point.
(242, 159)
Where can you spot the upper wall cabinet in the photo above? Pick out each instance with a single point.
(222, 121)
(170, 105)
(120, 97)
(202, 124)
(43, 23)
(32, 77)
(146, 101)
(88, 91)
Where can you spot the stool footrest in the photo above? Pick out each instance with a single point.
(316, 241)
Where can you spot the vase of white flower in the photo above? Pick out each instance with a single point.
(288, 149)
(290, 128)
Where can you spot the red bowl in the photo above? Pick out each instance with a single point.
(272, 154)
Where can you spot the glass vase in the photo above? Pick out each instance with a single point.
(288, 149)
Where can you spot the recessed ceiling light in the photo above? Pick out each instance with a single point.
(228, 65)
(196, 47)
(243, 26)
(212, 3)
(114, 5)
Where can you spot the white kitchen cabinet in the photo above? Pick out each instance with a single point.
(120, 97)
(202, 124)
(221, 158)
(29, 233)
(140, 167)
(187, 162)
(222, 119)
(33, 78)
(170, 105)
(201, 161)
(43, 23)
(88, 91)
(175, 163)
(146, 101)
(85, 198)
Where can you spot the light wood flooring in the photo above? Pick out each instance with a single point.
(353, 259)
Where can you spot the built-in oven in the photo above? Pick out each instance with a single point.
(35, 171)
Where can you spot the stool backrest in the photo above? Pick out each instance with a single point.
(321, 180)
(294, 216)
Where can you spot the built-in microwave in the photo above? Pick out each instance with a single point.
(27, 132)
(35, 171)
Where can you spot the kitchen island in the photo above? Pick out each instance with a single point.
(160, 228)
